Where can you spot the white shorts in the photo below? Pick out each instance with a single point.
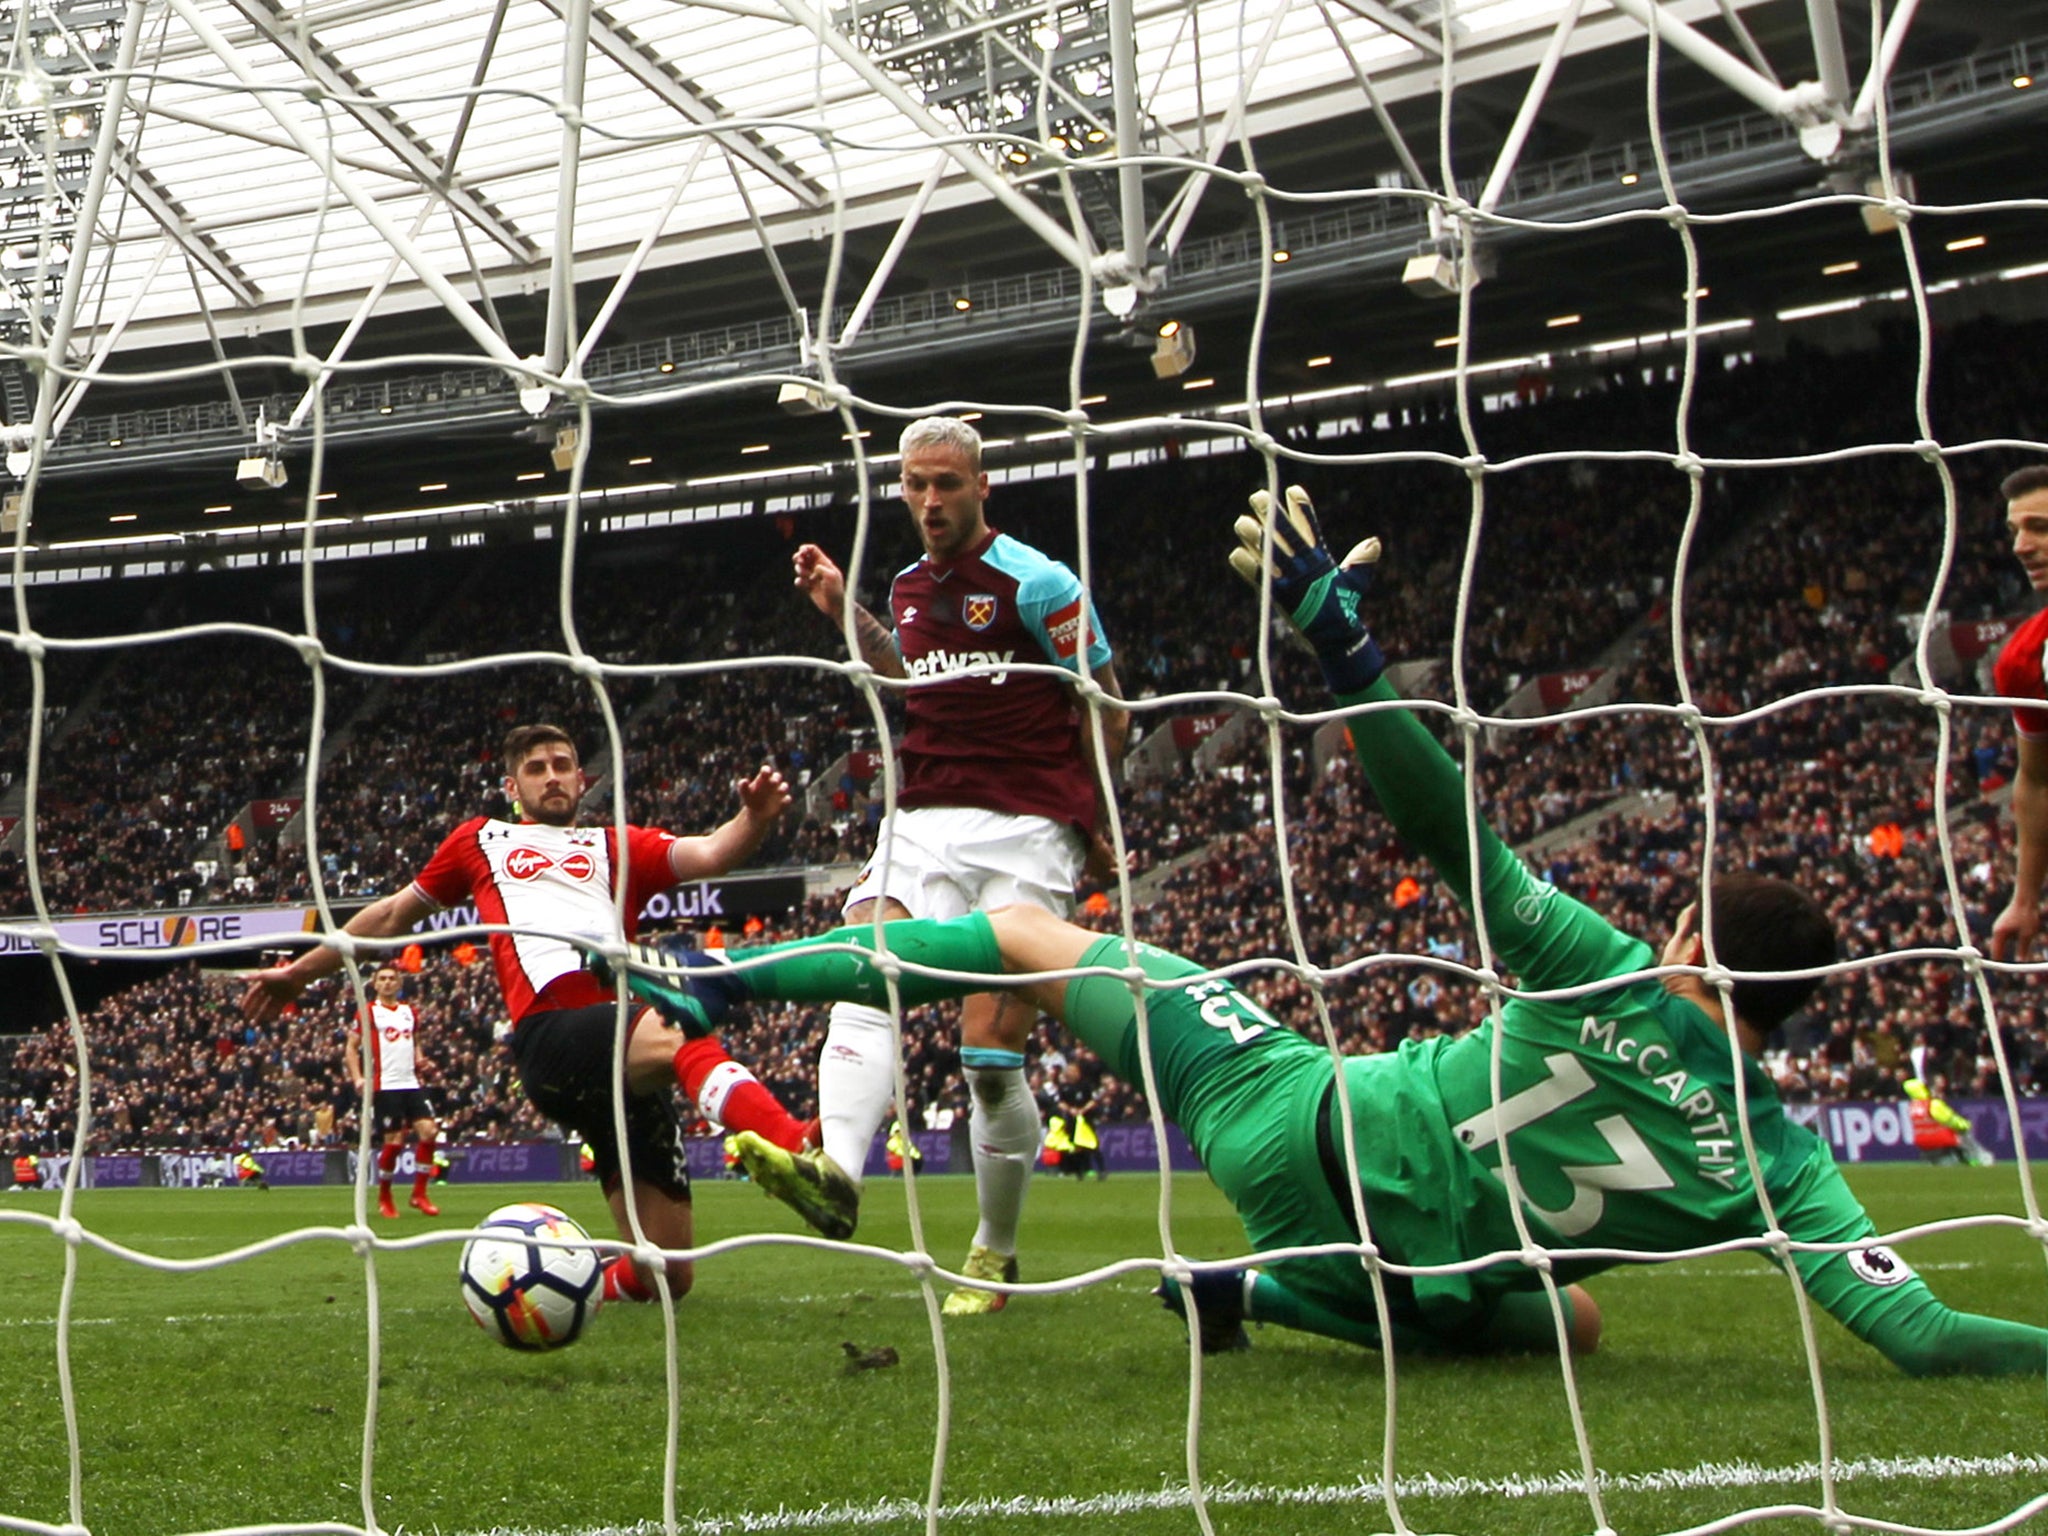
(945, 861)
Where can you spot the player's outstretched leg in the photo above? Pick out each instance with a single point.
(833, 967)
(808, 1182)
(691, 988)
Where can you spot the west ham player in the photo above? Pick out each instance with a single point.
(2018, 674)
(387, 1054)
(1619, 1103)
(997, 805)
(543, 872)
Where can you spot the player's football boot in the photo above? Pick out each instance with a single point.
(1219, 1298)
(384, 1206)
(424, 1206)
(692, 988)
(808, 1182)
(982, 1264)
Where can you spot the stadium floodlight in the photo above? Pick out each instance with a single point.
(261, 471)
(1174, 352)
(986, 77)
(1430, 275)
(803, 399)
(563, 453)
(58, 63)
(1877, 217)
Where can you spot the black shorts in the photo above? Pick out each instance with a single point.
(565, 1065)
(397, 1108)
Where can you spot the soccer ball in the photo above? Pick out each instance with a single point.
(521, 1287)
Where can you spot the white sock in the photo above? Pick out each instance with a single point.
(856, 1083)
(1006, 1134)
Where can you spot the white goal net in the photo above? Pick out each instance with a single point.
(1676, 349)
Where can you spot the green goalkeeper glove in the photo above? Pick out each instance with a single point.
(1320, 596)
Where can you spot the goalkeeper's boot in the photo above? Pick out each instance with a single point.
(1219, 1299)
(1319, 596)
(808, 1182)
(982, 1264)
(692, 988)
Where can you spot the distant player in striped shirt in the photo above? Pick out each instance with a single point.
(384, 1061)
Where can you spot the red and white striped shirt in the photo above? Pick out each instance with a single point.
(557, 879)
(394, 1056)
(2018, 673)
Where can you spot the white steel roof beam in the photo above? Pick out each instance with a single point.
(1190, 195)
(561, 320)
(886, 267)
(624, 281)
(656, 74)
(1751, 49)
(427, 271)
(158, 203)
(74, 392)
(50, 383)
(1829, 57)
(1130, 127)
(149, 109)
(353, 97)
(1388, 126)
(1532, 101)
(1028, 213)
(1394, 22)
(1895, 29)
(1793, 105)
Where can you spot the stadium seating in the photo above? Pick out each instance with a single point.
(1799, 578)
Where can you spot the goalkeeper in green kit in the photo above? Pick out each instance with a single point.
(1618, 1103)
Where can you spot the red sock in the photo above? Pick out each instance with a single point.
(622, 1281)
(387, 1163)
(422, 1167)
(728, 1093)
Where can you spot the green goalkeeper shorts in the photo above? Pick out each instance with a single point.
(1244, 1089)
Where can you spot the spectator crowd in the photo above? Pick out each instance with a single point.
(1797, 624)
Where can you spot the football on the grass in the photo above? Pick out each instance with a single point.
(524, 1279)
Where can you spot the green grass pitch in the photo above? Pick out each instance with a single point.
(237, 1395)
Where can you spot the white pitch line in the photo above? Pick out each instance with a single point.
(1707, 1475)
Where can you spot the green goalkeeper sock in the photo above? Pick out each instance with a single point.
(804, 971)
(1269, 1301)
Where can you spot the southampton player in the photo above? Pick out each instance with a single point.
(387, 1054)
(1619, 1103)
(2018, 675)
(997, 805)
(553, 880)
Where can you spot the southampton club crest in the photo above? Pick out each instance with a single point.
(978, 610)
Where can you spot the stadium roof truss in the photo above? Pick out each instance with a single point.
(183, 171)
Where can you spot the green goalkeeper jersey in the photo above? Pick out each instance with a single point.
(1619, 1110)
